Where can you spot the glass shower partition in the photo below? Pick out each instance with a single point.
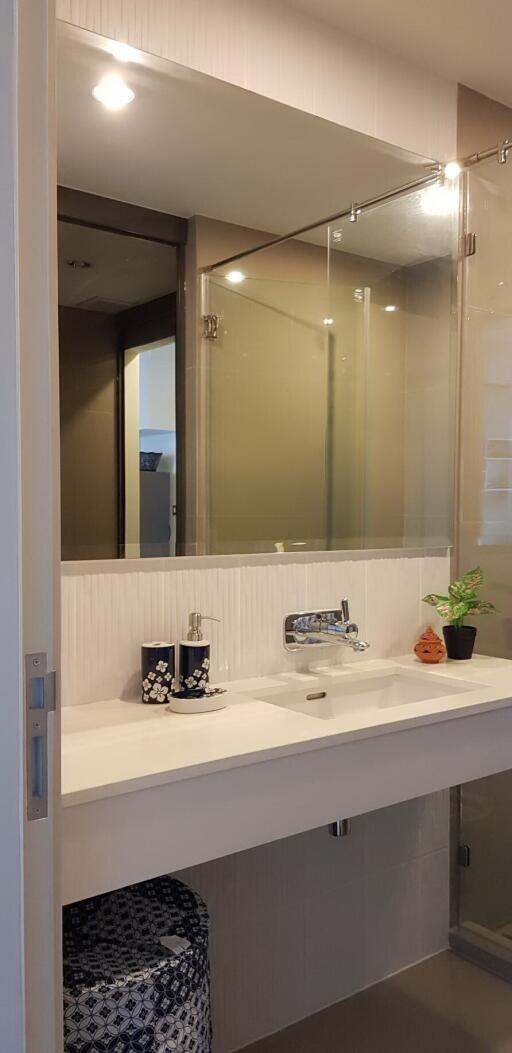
(267, 376)
(485, 538)
(330, 372)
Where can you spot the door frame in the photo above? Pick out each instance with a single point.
(30, 905)
(121, 217)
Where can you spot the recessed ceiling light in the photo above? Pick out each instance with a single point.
(112, 92)
(122, 52)
(235, 277)
(390, 307)
(328, 321)
(452, 169)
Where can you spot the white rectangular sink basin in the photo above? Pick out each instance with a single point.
(365, 693)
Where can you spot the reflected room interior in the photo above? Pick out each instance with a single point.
(300, 396)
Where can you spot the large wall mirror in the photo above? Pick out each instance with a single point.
(227, 388)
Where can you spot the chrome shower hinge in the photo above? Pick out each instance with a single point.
(469, 244)
(211, 326)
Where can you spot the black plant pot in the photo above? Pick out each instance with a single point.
(459, 640)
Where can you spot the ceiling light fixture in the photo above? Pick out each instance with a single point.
(328, 321)
(390, 307)
(113, 93)
(122, 52)
(337, 235)
(452, 170)
(235, 277)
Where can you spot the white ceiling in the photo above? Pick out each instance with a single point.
(463, 40)
(190, 144)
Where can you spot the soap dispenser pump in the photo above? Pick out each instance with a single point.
(195, 627)
(194, 694)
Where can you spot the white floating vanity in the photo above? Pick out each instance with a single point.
(146, 792)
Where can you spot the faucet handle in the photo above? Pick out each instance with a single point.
(345, 612)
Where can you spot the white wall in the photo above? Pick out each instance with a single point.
(157, 366)
(270, 49)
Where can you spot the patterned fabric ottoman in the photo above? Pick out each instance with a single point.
(136, 974)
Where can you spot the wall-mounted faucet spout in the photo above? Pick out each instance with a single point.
(332, 627)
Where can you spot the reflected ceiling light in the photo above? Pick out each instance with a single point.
(328, 321)
(390, 307)
(439, 200)
(122, 52)
(337, 235)
(235, 277)
(452, 169)
(113, 93)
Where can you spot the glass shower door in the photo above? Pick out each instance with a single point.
(267, 398)
(485, 879)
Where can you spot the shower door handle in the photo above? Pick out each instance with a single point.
(39, 701)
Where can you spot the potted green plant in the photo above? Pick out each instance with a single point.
(462, 600)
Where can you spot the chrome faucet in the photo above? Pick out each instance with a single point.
(322, 627)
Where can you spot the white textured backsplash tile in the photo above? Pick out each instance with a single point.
(266, 595)
(393, 605)
(107, 614)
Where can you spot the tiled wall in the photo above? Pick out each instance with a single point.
(109, 609)
(299, 924)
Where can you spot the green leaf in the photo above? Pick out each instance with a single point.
(434, 600)
(457, 611)
(482, 607)
(460, 591)
(474, 579)
(445, 609)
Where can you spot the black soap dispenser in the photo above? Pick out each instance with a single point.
(194, 694)
(194, 658)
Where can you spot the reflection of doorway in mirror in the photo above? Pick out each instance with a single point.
(150, 428)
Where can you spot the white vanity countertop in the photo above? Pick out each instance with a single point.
(115, 747)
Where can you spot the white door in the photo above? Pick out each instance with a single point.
(30, 986)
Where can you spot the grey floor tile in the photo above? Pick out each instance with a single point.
(443, 1005)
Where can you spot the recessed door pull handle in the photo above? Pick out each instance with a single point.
(39, 701)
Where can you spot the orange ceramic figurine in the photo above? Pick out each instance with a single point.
(430, 648)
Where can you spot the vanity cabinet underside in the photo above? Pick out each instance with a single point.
(123, 837)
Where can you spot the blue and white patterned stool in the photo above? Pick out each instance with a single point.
(136, 973)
